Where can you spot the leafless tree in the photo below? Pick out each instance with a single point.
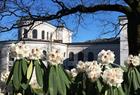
(46, 10)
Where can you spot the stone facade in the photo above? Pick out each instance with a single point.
(123, 39)
(45, 31)
(60, 38)
(89, 50)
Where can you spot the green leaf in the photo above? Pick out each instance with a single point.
(16, 81)
(137, 75)
(60, 81)
(52, 81)
(65, 77)
(10, 75)
(24, 66)
(135, 82)
(129, 80)
(121, 92)
(24, 86)
(39, 73)
(20, 71)
(30, 71)
(45, 76)
(99, 85)
(106, 92)
(125, 69)
(116, 91)
(111, 91)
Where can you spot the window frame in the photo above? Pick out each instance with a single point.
(43, 35)
(71, 56)
(25, 35)
(80, 56)
(34, 33)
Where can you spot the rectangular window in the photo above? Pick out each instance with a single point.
(47, 35)
(25, 34)
(43, 34)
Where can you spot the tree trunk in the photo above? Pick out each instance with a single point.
(134, 33)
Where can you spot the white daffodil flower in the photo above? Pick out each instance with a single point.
(133, 60)
(81, 66)
(93, 71)
(55, 57)
(73, 72)
(26, 52)
(113, 77)
(106, 57)
(35, 54)
(19, 50)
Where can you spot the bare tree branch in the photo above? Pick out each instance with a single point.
(15, 26)
(133, 3)
(62, 12)
(60, 3)
(83, 9)
(120, 30)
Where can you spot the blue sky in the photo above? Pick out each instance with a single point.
(93, 28)
(90, 28)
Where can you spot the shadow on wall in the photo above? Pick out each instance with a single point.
(3, 58)
(89, 53)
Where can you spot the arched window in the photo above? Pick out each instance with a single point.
(25, 34)
(44, 52)
(71, 56)
(34, 33)
(80, 56)
(90, 56)
(43, 34)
